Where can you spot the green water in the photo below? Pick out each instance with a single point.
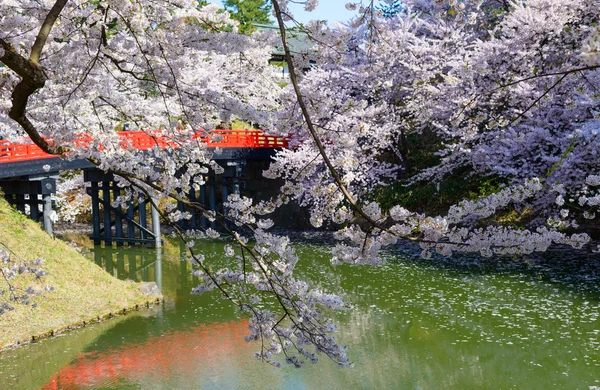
(461, 323)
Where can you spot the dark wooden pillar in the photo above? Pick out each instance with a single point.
(130, 219)
(94, 190)
(203, 203)
(106, 212)
(143, 221)
(118, 218)
(212, 198)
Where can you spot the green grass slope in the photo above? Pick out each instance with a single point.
(83, 292)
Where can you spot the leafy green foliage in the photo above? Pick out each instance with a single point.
(434, 198)
(248, 12)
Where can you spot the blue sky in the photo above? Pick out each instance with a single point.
(332, 10)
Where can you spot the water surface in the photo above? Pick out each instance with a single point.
(460, 323)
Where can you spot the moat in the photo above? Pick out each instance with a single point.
(453, 323)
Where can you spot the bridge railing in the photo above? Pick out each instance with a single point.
(144, 140)
(243, 139)
(10, 152)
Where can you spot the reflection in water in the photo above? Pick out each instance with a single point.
(30, 367)
(414, 324)
(171, 355)
(145, 266)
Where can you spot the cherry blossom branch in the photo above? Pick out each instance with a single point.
(33, 78)
(522, 80)
(148, 63)
(89, 67)
(536, 101)
(177, 89)
(42, 37)
(309, 123)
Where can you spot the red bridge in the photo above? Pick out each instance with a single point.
(224, 139)
(28, 178)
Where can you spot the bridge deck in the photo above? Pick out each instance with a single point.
(27, 159)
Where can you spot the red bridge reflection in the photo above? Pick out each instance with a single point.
(180, 353)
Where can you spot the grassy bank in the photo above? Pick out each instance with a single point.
(83, 292)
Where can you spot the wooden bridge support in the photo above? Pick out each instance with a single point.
(32, 195)
(130, 224)
(115, 224)
(213, 194)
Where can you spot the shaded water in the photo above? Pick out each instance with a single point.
(460, 323)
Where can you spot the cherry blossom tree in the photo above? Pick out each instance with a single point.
(472, 75)
(78, 68)
(506, 89)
